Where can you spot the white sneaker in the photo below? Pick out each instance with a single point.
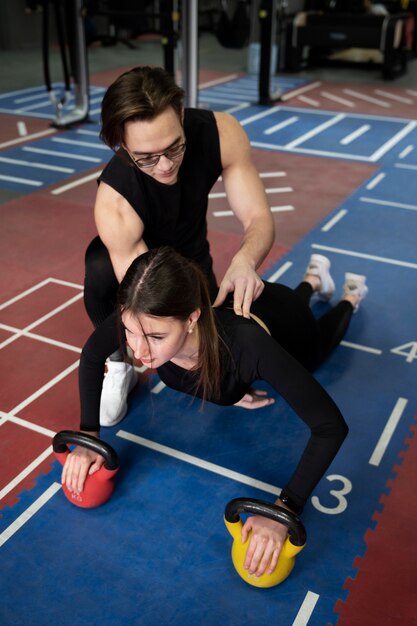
(355, 286)
(118, 382)
(319, 265)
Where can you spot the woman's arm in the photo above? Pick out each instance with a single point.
(104, 341)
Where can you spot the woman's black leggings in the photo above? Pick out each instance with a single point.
(332, 325)
(101, 284)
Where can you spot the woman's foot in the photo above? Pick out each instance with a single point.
(318, 275)
(354, 289)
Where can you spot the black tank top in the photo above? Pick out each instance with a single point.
(175, 215)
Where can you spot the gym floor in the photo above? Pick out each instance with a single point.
(338, 159)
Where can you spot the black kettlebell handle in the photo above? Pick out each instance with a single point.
(294, 524)
(61, 439)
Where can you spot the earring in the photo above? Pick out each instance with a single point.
(190, 330)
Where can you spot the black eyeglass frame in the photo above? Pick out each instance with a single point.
(178, 150)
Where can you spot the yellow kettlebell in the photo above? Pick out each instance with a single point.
(294, 543)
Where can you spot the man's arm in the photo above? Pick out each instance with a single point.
(120, 228)
(247, 199)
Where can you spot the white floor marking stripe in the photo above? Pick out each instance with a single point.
(238, 107)
(29, 513)
(281, 209)
(388, 432)
(22, 129)
(306, 609)
(53, 312)
(392, 96)
(21, 181)
(296, 92)
(223, 213)
(64, 155)
(46, 387)
(41, 166)
(310, 101)
(83, 144)
(355, 135)
(393, 141)
(411, 92)
(395, 205)
(32, 466)
(284, 124)
(316, 131)
(331, 96)
(76, 183)
(66, 283)
(279, 272)
(159, 387)
(406, 152)
(17, 332)
(357, 346)
(361, 96)
(193, 460)
(8, 417)
(12, 142)
(314, 151)
(329, 225)
(25, 293)
(405, 166)
(362, 255)
(259, 116)
(375, 181)
(272, 174)
(218, 81)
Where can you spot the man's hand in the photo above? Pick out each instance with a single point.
(244, 282)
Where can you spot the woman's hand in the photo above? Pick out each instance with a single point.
(79, 464)
(255, 399)
(265, 544)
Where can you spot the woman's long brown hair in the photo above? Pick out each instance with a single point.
(163, 283)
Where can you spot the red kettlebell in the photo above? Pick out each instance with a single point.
(99, 486)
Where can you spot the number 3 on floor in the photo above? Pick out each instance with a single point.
(338, 494)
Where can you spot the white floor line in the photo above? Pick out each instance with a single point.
(76, 183)
(32, 466)
(306, 609)
(395, 205)
(17, 332)
(45, 387)
(29, 513)
(13, 142)
(193, 460)
(334, 220)
(25, 293)
(280, 271)
(388, 432)
(358, 346)
(19, 421)
(363, 255)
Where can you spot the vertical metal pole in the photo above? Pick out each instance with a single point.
(189, 38)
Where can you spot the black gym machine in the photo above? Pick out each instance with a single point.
(70, 18)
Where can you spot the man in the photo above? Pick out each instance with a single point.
(155, 191)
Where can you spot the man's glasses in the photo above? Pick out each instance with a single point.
(153, 159)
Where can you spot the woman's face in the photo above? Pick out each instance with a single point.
(156, 340)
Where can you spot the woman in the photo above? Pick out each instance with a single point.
(169, 324)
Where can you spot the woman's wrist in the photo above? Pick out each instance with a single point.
(289, 504)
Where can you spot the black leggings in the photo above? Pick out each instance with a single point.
(332, 325)
(100, 284)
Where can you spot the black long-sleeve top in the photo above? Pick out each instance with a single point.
(251, 355)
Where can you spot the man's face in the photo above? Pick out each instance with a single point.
(163, 134)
